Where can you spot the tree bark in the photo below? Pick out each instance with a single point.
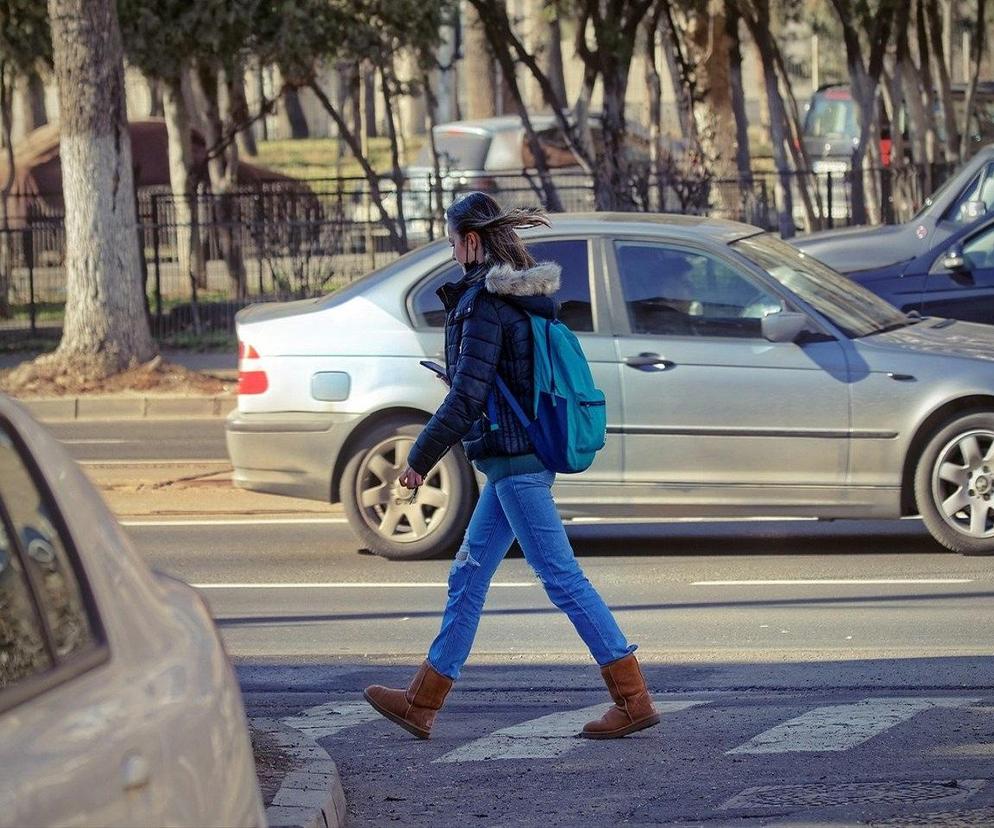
(553, 54)
(240, 112)
(976, 55)
(684, 91)
(478, 68)
(743, 157)
(294, 123)
(33, 112)
(654, 93)
(952, 144)
(105, 328)
(183, 184)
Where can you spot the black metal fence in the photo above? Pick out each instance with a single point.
(277, 243)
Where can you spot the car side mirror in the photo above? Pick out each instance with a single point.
(953, 260)
(784, 326)
(973, 209)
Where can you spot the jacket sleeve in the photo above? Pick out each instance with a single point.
(472, 381)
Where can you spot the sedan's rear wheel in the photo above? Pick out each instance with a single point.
(954, 484)
(388, 518)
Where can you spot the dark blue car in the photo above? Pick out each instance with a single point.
(939, 263)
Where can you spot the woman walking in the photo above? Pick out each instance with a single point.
(488, 333)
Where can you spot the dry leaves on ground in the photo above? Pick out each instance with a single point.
(48, 377)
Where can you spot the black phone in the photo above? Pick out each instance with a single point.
(438, 370)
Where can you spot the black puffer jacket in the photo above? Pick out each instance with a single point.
(487, 332)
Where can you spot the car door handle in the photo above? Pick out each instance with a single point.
(135, 772)
(649, 362)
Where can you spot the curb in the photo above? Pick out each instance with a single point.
(49, 409)
(311, 795)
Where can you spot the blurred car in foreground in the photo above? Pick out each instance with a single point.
(743, 378)
(118, 706)
(962, 200)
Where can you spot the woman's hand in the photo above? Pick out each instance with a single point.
(410, 479)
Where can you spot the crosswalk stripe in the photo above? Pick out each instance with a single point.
(329, 719)
(840, 727)
(546, 737)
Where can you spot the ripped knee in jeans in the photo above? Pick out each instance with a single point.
(463, 557)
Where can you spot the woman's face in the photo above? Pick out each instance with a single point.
(465, 249)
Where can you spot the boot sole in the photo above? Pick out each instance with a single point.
(393, 717)
(641, 724)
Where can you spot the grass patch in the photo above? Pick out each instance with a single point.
(29, 344)
(207, 341)
(43, 311)
(311, 158)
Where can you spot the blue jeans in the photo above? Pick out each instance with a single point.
(520, 506)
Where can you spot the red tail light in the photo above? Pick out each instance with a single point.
(247, 351)
(252, 382)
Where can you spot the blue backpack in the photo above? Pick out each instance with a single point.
(569, 423)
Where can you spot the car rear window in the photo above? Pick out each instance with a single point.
(457, 150)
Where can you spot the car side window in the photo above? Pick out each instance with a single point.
(53, 572)
(576, 308)
(23, 651)
(978, 251)
(976, 199)
(669, 291)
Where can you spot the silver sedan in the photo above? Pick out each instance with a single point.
(743, 378)
(118, 705)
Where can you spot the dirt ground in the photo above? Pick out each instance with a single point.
(41, 378)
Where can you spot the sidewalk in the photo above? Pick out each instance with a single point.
(220, 364)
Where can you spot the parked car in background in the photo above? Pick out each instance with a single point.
(963, 199)
(493, 155)
(118, 706)
(743, 378)
(831, 125)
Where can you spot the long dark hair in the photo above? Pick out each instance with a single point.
(480, 213)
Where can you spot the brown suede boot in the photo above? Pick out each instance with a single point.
(413, 709)
(632, 709)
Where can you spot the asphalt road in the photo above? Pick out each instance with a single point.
(808, 673)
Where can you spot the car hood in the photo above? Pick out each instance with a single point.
(853, 249)
(942, 337)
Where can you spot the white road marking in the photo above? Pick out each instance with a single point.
(354, 585)
(835, 581)
(547, 737)
(329, 719)
(840, 727)
(236, 522)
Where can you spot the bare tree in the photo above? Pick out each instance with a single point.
(105, 327)
(976, 55)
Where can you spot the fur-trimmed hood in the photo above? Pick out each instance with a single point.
(541, 280)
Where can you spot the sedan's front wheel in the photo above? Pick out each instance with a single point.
(393, 521)
(954, 484)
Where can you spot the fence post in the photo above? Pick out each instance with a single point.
(155, 260)
(27, 242)
(259, 238)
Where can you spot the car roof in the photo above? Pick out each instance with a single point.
(673, 224)
(501, 123)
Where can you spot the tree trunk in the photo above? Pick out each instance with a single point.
(222, 167)
(743, 157)
(105, 328)
(927, 82)
(386, 80)
(907, 90)
(294, 123)
(32, 97)
(6, 246)
(713, 76)
(654, 93)
(976, 55)
(370, 126)
(183, 184)
(680, 76)
(952, 144)
(553, 53)
(240, 112)
(155, 109)
(478, 68)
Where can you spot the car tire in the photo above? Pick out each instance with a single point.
(954, 484)
(379, 510)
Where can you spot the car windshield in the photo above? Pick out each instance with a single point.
(851, 307)
(832, 115)
(457, 150)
